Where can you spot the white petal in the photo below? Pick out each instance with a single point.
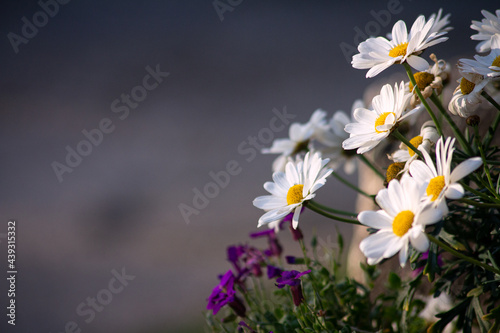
(454, 191)
(419, 241)
(373, 246)
(296, 215)
(465, 168)
(274, 215)
(429, 215)
(403, 254)
(375, 220)
(418, 63)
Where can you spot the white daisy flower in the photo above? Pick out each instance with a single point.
(428, 136)
(299, 139)
(292, 188)
(438, 180)
(487, 28)
(487, 66)
(401, 221)
(380, 53)
(467, 95)
(373, 126)
(333, 136)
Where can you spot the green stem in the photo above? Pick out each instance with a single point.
(483, 157)
(371, 166)
(479, 204)
(473, 191)
(352, 186)
(311, 205)
(458, 134)
(422, 99)
(307, 260)
(449, 249)
(401, 138)
(333, 210)
(494, 125)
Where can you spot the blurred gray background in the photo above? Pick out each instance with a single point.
(119, 208)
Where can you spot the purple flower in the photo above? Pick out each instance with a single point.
(292, 279)
(424, 258)
(273, 271)
(223, 294)
(275, 248)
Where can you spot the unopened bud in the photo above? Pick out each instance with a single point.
(473, 120)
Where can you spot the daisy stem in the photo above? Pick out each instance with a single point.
(449, 249)
(494, 125)
(473, 191)
(460, 137)
(348, 184)
(312, 206)
(481, 152)
(333, 210)
(422, 99)
(401, 138)
(371, 166)
(479, 204)
(311, 275)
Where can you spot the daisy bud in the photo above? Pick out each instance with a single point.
(393, 171)
(473, 120)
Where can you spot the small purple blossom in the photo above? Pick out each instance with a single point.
(273, 271)
(246, 260)
(292, 279)
(290, 260)
(424, 257)
(223, 294)
(275, 248)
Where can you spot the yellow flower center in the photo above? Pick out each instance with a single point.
(402, 222)
(381, 120)
(416, 141)
(393, 171)
(423, 79)
(496, 62)
(466, 86)
(398, 50)
(435, 187)
(294, 194)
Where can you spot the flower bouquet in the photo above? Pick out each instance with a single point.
(437, 212)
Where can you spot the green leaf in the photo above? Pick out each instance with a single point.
(394, 281)
(448, 316)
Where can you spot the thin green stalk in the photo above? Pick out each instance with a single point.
(449, 249)
(458, 134)
(483, 157)
(352, 186)
(310, 275)
(371, 166)
(401, 138)
(422, 99)
(333, 210)
(311, 205)
(479, 204)
(473, 191)
(496, 121)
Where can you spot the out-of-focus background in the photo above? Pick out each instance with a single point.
(71, 67)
